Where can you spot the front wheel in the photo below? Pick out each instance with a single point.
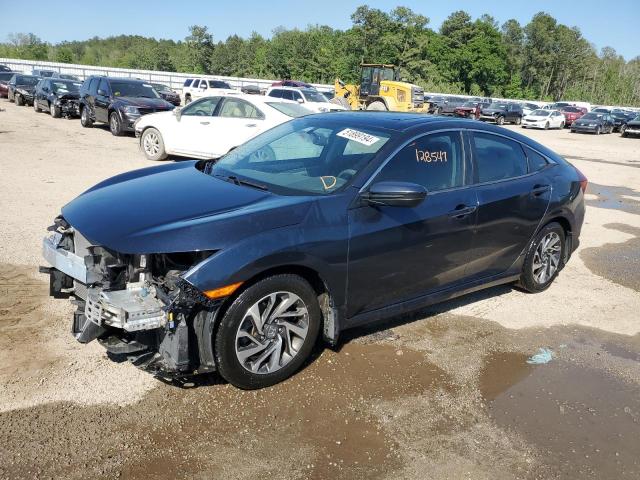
(561, 126)
(35, 106)
(500, 120)
(623, 132)
(377, 106)
(546, 126)
(115, 125)
(56, 112)
(597, 130)
(153, 145)
(85, 119)
(268, 332)
(518, 120)
(19, 100)
(544, 260)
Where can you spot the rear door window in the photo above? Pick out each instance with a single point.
(434, 161)
(497, 158)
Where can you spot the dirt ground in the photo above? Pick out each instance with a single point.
(443, 393)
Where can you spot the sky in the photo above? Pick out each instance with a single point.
(604, 23)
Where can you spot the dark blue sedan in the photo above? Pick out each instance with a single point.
(321, 224)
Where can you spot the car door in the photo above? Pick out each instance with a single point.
(400, 253)
(236, 121)
(512, 199)
(193, 131)
(102, 101)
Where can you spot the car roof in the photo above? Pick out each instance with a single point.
(253, 98)
(119, 79)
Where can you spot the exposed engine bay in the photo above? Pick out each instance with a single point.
(138, 306)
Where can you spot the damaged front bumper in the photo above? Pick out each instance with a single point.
(162, 329)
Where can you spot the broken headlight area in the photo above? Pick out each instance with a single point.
(136, 306)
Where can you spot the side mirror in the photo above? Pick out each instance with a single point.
(395, 194)
(102, 92)
(300, 100)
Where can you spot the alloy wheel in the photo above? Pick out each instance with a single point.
(272, 332)
(546, 259)
(151, 143)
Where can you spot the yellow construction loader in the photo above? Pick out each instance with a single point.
(380, 89)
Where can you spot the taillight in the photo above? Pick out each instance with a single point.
(583, 180)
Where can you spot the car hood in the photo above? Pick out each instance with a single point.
(582, 121)
(141, 102)
(633, 123)
(26, 88)
(537, 118)
(68, 96)
(177, 208)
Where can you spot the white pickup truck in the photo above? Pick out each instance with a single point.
(199, 87)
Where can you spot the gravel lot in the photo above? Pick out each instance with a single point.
(444, 393)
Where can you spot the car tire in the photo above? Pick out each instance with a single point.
(153, 145)
(19, 100)
(377, 106)
(236, 333)
(437, 111)
(544, 259)
(500, 120)
(546, 126)
(187, 99)
(623, 132)
(35, 106)
(85, 119)
(561, 126)
(597, 130)
(518, 120)
(56, 112)
(115, 124)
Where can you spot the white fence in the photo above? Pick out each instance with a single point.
(173, 80)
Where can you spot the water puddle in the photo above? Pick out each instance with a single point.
(614, 198)
(585, 423)
(618, 262)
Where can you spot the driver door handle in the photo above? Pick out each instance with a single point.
(204, 123)
(462, 211)
(539, 190)
(251, 125)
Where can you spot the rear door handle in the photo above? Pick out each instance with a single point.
(539, 190)
(462, 211)
(251, 125)
(204, 123)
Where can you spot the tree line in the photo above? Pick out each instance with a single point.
(542, 60)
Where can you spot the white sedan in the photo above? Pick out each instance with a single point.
(543, 119)
(211, 126)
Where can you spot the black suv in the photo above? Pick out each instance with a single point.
(501, 113)
(445, 105)
(57, 96)
(21, 89)
(118, 102)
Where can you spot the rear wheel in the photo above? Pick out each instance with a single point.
(267, 332)
(115, 125)
(153, 144)
(544, 260)
(85, 119)
(377, 106)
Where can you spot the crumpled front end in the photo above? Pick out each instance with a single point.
(137, 306)
(69, 105)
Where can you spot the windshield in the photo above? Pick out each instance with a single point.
(133, 89)
(387, 74)
(28, 81)
(161, 88)
(219, 84)
(61, 86)
(592, 116)
(305, 156)
(540, 113)
(66, 76)
(6, 76)
(314, 96)
(498, 106)
(293, 110)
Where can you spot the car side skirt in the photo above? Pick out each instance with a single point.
(512, 275)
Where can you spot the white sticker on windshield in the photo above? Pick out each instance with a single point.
(357, 136)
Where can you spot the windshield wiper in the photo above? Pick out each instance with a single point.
(242, 181)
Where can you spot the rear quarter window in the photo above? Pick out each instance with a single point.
(188, 82)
